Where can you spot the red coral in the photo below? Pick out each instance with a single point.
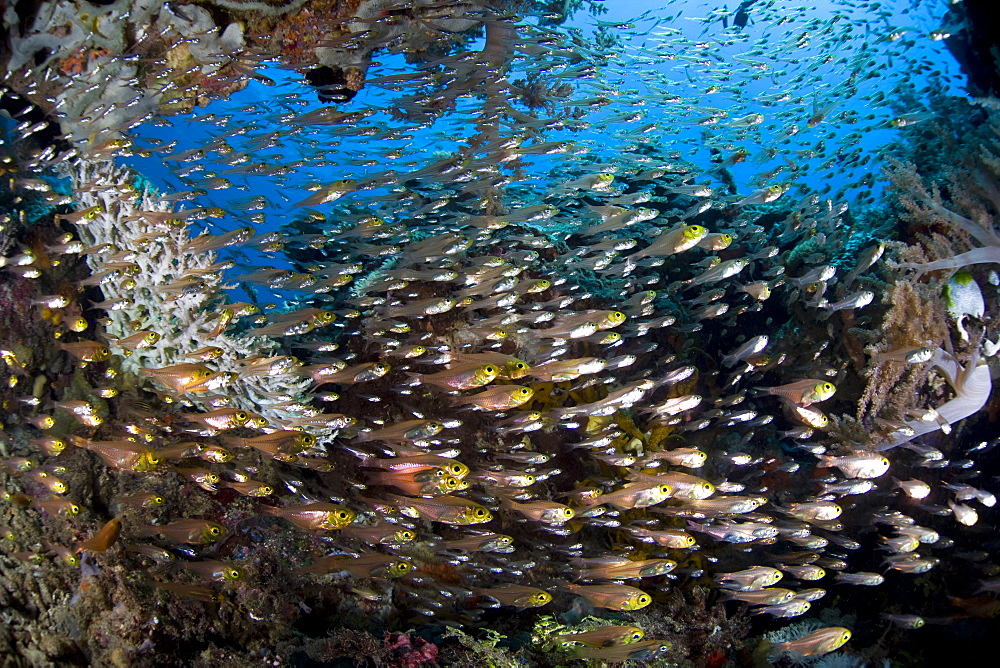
(79, 61)
(411, 652)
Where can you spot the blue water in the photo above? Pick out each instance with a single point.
(669, 69)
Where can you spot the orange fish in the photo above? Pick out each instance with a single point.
(103, 539)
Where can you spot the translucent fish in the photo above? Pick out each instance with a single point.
(445, 509)
(803, 392)
(816, 643)
(408, 430)
(548, 512)
(752, 579)
(611, 596)
(191, 531)
(363, 566)
(860, 465)
(217, 571)
(622, 568)
(497, 398)
(606, 636)
(519, 596)
(462, 378)
(314, 516)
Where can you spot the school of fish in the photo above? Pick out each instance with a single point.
(568, 341)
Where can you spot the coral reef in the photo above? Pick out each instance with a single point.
(168, 287)
(536, 389)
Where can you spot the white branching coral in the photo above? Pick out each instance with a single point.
(155, 278)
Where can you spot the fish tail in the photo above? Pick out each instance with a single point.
(273, 511)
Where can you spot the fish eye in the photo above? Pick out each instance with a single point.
(845, 637)
(828, 387)
(490, 369)
(644, 600)
(266, 490)
(241, 416)
(481, 512)
(154, 460)
(568, 512)
(520, 366)
(152, 336)
(73, 509)
(406, 535)
(326, 316)
(343, 515)
(157, 500)
(457, 469)
(214, 531)
(524, 391)
(665, 489)
(617, 315)
(638, 635)
(419, 350)
(403, 566)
